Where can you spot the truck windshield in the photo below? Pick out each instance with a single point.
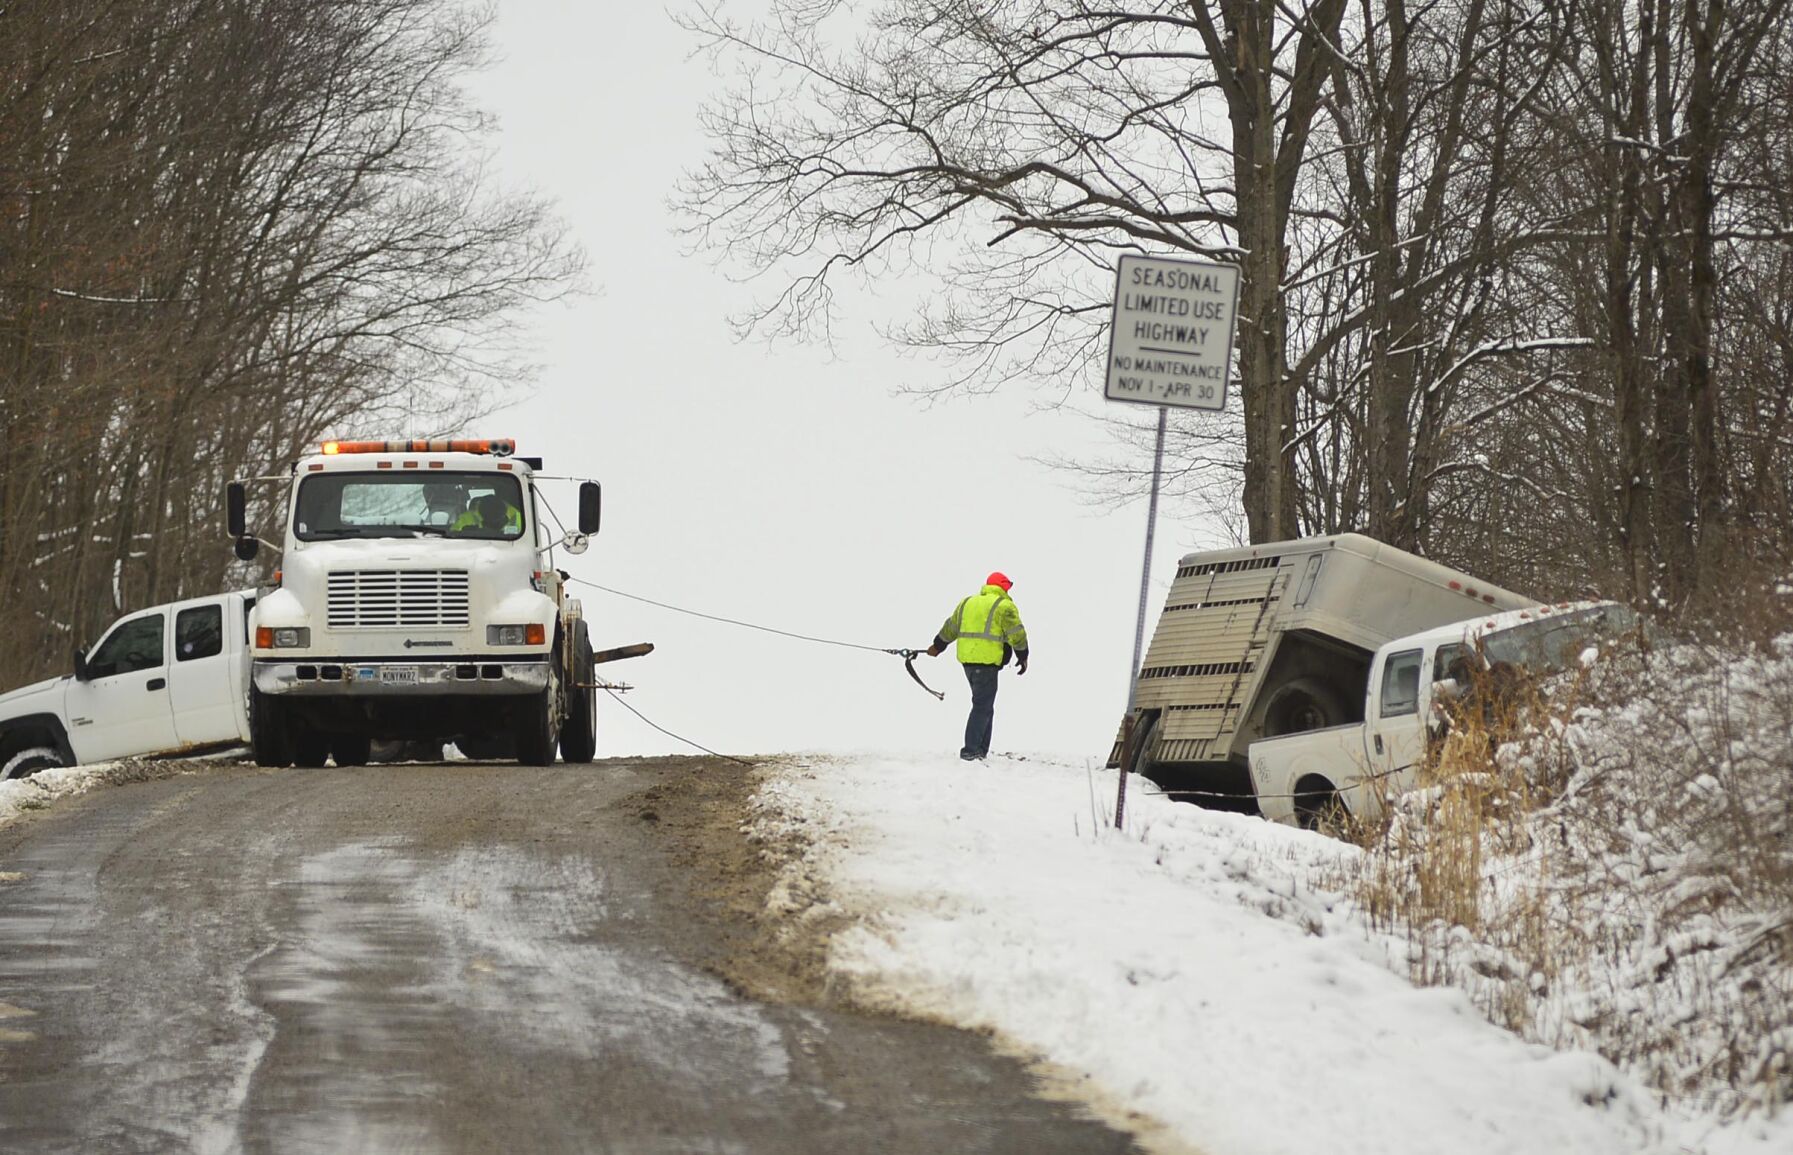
(468, 505)
(1554, 643)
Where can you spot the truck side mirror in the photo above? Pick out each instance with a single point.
(236, 512)
(246, 548)
(80, 665)
(591, 502)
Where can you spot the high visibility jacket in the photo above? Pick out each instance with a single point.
(513, 519)
(983, 624)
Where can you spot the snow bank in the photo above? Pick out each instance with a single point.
(1630, 881)
(18, 795)
(1186, 966)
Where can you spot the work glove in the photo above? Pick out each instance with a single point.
(1020, 667)
(933, 651)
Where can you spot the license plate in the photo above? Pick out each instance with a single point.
(398, 675)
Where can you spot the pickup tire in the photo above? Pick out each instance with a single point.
(267, 731)
(1301, 705)
(536, 732)
(579, 736)
(1318, 806)
(27, 762)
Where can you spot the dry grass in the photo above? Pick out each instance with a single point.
(1606, 861)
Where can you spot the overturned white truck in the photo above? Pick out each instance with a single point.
(1275, 639)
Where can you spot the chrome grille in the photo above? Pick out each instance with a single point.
(397, 599)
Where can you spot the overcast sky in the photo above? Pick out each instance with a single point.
(784, 485)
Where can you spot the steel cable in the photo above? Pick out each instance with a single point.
(737, 622)
(670, 734)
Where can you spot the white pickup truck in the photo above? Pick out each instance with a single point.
(1306, 777)
(169, 679)
(1259, 641)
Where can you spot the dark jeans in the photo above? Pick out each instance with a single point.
(983, 710)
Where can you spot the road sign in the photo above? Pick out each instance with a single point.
(1171, 339)
(1170, 342)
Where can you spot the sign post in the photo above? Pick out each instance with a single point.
(1170, 342)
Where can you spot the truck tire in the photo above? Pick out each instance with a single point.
(1318, 806)
(1301, 705)
(536, 733)
(348, 750)
(267, 731)
(29, 761)
(579, 735)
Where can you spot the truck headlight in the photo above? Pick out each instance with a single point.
(284, 638)
(533, 634)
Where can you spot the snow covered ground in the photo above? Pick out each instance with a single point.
(18, 795)
(1185, 967)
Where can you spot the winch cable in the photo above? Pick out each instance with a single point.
(908, 656)
(670, 734)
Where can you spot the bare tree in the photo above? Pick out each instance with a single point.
(1059, 134)
(1662, 170)
(226, 229)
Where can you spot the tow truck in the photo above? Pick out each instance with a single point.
(417, 599)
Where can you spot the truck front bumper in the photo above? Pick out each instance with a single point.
(397, 678)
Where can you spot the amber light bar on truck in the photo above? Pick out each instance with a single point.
(496, 446)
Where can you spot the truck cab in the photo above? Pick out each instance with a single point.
(417, 599)
(163, 680)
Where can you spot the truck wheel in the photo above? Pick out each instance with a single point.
(267, 731)
(1302, 705)
(579, 737)
(28, 762)
(310, 748)
(350, 751)
(1318, 806)
(536, 732)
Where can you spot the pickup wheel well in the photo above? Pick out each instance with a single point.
(34, 730)
(1317, 803)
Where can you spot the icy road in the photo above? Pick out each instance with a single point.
(462, 958)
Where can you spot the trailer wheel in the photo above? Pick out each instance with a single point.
(267, 731)
(1304, 704)
(536, 732)
(28, 762)
(1318, 806)
(579, 739)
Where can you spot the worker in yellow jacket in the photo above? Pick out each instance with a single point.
(987, 627)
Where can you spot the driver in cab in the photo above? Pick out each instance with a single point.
(490, 512)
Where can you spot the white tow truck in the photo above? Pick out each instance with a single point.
(1312, 778)
(418, 600)
(165, 680)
